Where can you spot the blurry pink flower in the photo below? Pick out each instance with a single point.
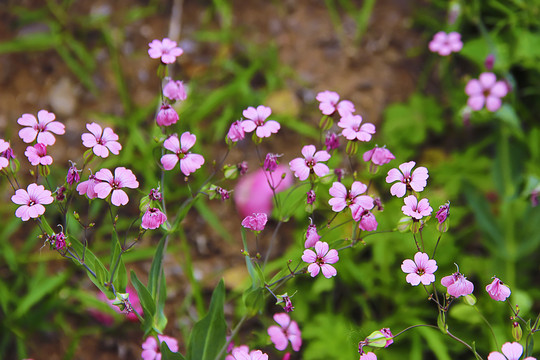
(329, 103)
(122, 178)
(239, 354)
(4, 146)
(175, 90)
(87, 187)
(378, 156)
(189, 162)
(368, 356)
(236, 132)
(311, 163)
(255, 222)
(32, 200)
(320, 260)
(457, 285)
(165, 49)
(151, 349)
(444, 44)
(73, 176)
(311, 197)
(241, 348)
(287, 331)
(256, 119)
(166, 116)
(511, 351)
(388, 335)
(416, 180)
(153, 218)
(331, 141)
(416, 209)
(353, 130)
(42, 128)
(101, 140)
(420, 270)
(311, 236)
(497, 290)
(341, 197)
(485, 91)
(106, 319)
(366, 219)
(37, 155)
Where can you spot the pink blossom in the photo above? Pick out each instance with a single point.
(378, 156)
(255, 222)
(107, 319)
(287, 331)
(457, 285)
(241, 348)
(329, 103)
(239, 354)
(485, 91)
(511, 351)
(311, 197)
(4, 146)
(189, 162)
(41, 128)
(416, 180)
(331, 141)
(236, 131)
(445, 44)
(165, 49)
(87, 187)
(497, 290)
(311, 236)
(73, 176)
(32, 200)
(353, 128)
(320, 259)
(311, 163)
(256, 119)
(420, 270)
(368, 356)
(366, 219)
(341, 197)
(101, 140)
(271, 162)
(151, 346)
(37, 155)
(175, 90)
(153, 218)
(166, 116)
(122, 178)
(416, 209)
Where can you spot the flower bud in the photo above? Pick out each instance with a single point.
(489, 62)
(73, 176)
(376, 339)
(60, 241)
(155, 195)
(230, 171)
(60, 196)
(517, 333)
(271, 162)
(166, 115)
(442, 217)
(236, 132)
(175, 90)
(311, 197)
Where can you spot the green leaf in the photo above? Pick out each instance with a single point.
(147, 303)
(155, 269)
(254, 300)
(94, 264)
(167, 354)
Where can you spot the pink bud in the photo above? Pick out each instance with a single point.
(166, 116)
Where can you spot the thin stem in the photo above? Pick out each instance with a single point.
(464, 343)
(233, 334)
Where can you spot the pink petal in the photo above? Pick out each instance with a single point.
(190, 163)
(187, 140)
(283, 319)
(493, 103)
(308, 151)
(321, 155)
(512, 351)
(114, 147)
(27, 120)
(309, 256)
(365, 201)
(172, 144)
(46, 138)
(408, 266)
(476, 102)
(100, 150)
(250, 113)
(487, 80)
(331, 257)
(328, 271)
(496, 356)
(394, 175)
(321, 248)
(169, 161)
(473, 88)
(278, 337)
(56, 127)
(314, 269)
(413, 279)
(321, 169)
(102, 190)
(95, 129)
(499, 89)
(119, 197)
(22, 212)
(398, 189)
(248, 125)
(28, 134)
(89, 140)
(21, 197)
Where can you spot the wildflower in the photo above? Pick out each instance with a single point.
(311, 197)
(388, 335)
(406, 180)
(353, 130)
(175, 90)
(329, 104)
(444, 44)
(366, 219)
(457, 285)
(134, 302)
(32, 200)
(166, 116)
(320, 259)
(155, 195)
(416, 209)
(312, 236)
(489, 62)
(153, 218)
(236, 131)
(255, 222)
(151, 346)
(256, 120)
(243, 168)
(41, 128)
(511, 351)
(378, 156)
(311, 163)
(122, 178)
(442, 216)
(341, 197)
(241, 348)
(287, 303)
(368, 356)
(188, 162)
(37, 155)
(497, 290)
(271, 162)
(4, 147)
(87, 187)
(165, 49)
(60, 196)
(60, 241)
(420, 270)
(101, 140)
(331, 141)
(253, 355)
(73, 176)
(287, 331)
(485, 90)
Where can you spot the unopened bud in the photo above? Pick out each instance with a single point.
(517, 333)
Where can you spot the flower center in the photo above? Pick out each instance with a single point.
(310, 163)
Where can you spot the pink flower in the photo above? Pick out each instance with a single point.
(331, 141)
(311, 236)
(368, 356)
(311, 163)
(189, 162)
(165, 49)
(443, 212)
(175, 90)
(353, 130)
(239, 354)
(255, 222)
(287, 331)
(73, 176)
(329, 103)
(37, 155)
(457, 285)
(378, 156)
(153, 218)
(416, 209)
(257, 120)
(485, 91)
(349, 198)
(236, 131)
(166, 116)
(497, 290)
(122, 178)
(416, 180)
(511, 351)
(271, 162)
(420, 270)
(101, 141)
(445, 44)
(366, 219)
(42, 128)
(4, 146)
(87, 187)
(320, 259)
(32, 200)
(108, 320)
(311, 197)
(151, 349)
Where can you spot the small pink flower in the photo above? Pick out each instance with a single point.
(151, 346)
(241, 348)
(166, 116)
(353, 128)
(256, 120)
(287, 331)
(378, 156)
(311, 236)
(311, 163)
(416, 209)
(416, 180)
(368, 356)
(122, 178)
(101, 140)
(165, 49)
(32, 200)
(87, 187)
(271, 162)
(255, 222)
(4, 146)
(331, 141)
(236, 131)
(349, 198)
(366, 219)
(457, 285)
(239, 354)
(320, 259)
(329, 103)
(511, 351)
(175, 90)
(445, 44)
(73, 176)
(497, 290)
(37, 155)
(485, 91)
(420, 270)
(42, 128)
(189, 162)
(153, 218)
(311, 197)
